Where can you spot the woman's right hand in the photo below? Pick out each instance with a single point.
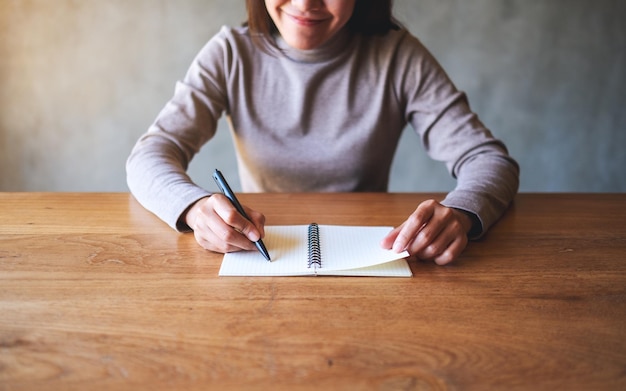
(218, 227)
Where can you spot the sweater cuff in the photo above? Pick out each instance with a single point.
(180, 210)
(484, 210)
(476, 229)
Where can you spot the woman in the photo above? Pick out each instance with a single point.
(317, 93)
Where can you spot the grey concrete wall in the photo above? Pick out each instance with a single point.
(80, 80)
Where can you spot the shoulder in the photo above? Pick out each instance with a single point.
(229, 42)
(236, 34)
(397, 40)
(397, 50)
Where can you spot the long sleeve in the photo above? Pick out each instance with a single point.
(156, 168)
(325, 120)
(487, 177)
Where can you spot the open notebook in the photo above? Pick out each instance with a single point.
(299, 250)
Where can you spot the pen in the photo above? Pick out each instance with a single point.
(224, 188)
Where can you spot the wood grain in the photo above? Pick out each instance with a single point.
(97, 293)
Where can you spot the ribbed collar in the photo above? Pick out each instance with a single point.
(329, 50)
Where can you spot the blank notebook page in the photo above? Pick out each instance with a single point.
(345, 250)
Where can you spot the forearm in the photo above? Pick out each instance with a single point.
(157, 166)
(158, 180)
(487, 182)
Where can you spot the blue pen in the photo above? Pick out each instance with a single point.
(224, 188)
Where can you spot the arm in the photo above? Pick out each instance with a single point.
(156, 167)
(487, 177)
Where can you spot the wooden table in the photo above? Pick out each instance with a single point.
(97, 293)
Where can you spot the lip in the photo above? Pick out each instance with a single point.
(305, 21)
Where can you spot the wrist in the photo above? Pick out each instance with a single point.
(471, 223)
(190, 215)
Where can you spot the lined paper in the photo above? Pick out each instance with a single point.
(346, 250)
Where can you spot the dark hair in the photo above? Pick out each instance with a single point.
(370, 17)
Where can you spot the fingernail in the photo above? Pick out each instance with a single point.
(398, 247)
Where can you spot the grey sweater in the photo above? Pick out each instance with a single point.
(324, 120)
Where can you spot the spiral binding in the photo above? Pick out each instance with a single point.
(315, 252)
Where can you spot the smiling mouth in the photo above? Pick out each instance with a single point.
(302, 21)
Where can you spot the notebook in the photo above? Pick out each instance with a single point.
(299, 250)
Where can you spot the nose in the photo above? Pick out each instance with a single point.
(307, 5)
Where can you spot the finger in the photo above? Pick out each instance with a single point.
(447, 245)
(258, 219)
(437, 232)
(452, 252)
(229, 214)
(232, 236)
(387, 242)
(223, 243)
(413, 226)
(435, 247)
(213, 233)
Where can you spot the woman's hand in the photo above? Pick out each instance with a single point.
(433, 232)
(218, 227)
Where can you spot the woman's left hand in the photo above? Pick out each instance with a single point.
(432, 232)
